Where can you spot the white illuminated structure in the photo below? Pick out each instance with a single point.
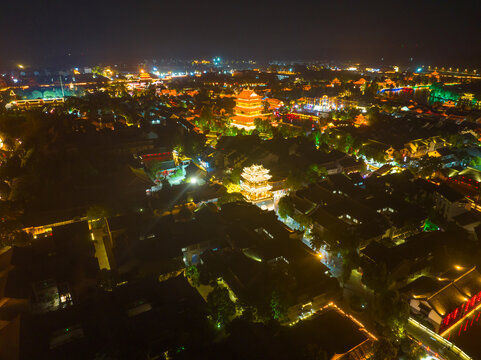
(254, 183)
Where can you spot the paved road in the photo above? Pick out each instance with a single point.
(438, 345)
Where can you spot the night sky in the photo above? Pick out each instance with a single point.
(45, 32)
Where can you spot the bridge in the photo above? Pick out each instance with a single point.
(25, 104)
(412, 87)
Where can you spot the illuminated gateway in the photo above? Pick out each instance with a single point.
(248, 106)
(254, 184)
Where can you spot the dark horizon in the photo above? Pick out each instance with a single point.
(56, 33)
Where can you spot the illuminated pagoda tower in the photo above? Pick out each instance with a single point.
(360, 120)
(254, 184)
(248, 106)
(325, 103)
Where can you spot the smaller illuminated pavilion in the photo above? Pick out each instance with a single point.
(248, 106)
(360, 120)
(335, 82)
(254, 184)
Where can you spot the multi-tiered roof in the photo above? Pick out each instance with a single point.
(248, 107)
(254, 183)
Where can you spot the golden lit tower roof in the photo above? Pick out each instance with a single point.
(247, 94)
(254, 183)
(361, 81)
(256, 173)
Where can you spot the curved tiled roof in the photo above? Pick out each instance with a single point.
(247, 94)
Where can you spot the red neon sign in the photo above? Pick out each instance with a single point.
(460, 312)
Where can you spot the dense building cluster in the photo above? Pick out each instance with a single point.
(208, 208)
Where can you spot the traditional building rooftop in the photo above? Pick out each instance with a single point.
(254, 183)
(447, 295)
(248, 95)
(334, 332)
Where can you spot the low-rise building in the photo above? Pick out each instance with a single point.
(444, 302)
(449, 202)
(421, 147)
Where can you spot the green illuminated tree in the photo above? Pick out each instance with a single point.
(230, 197)
(350, 261)
(316, 136)
(315, 173)
(96, 212)
(117, 89)
(430, 226)
(384, 349)
(375, 276)
(278, 307)
(391, 311)
(285, 207)
(303, 220)
(294, 181)
(475, 162)
(220, 306)
(177, 174)
(193, 274)
(263, 126)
